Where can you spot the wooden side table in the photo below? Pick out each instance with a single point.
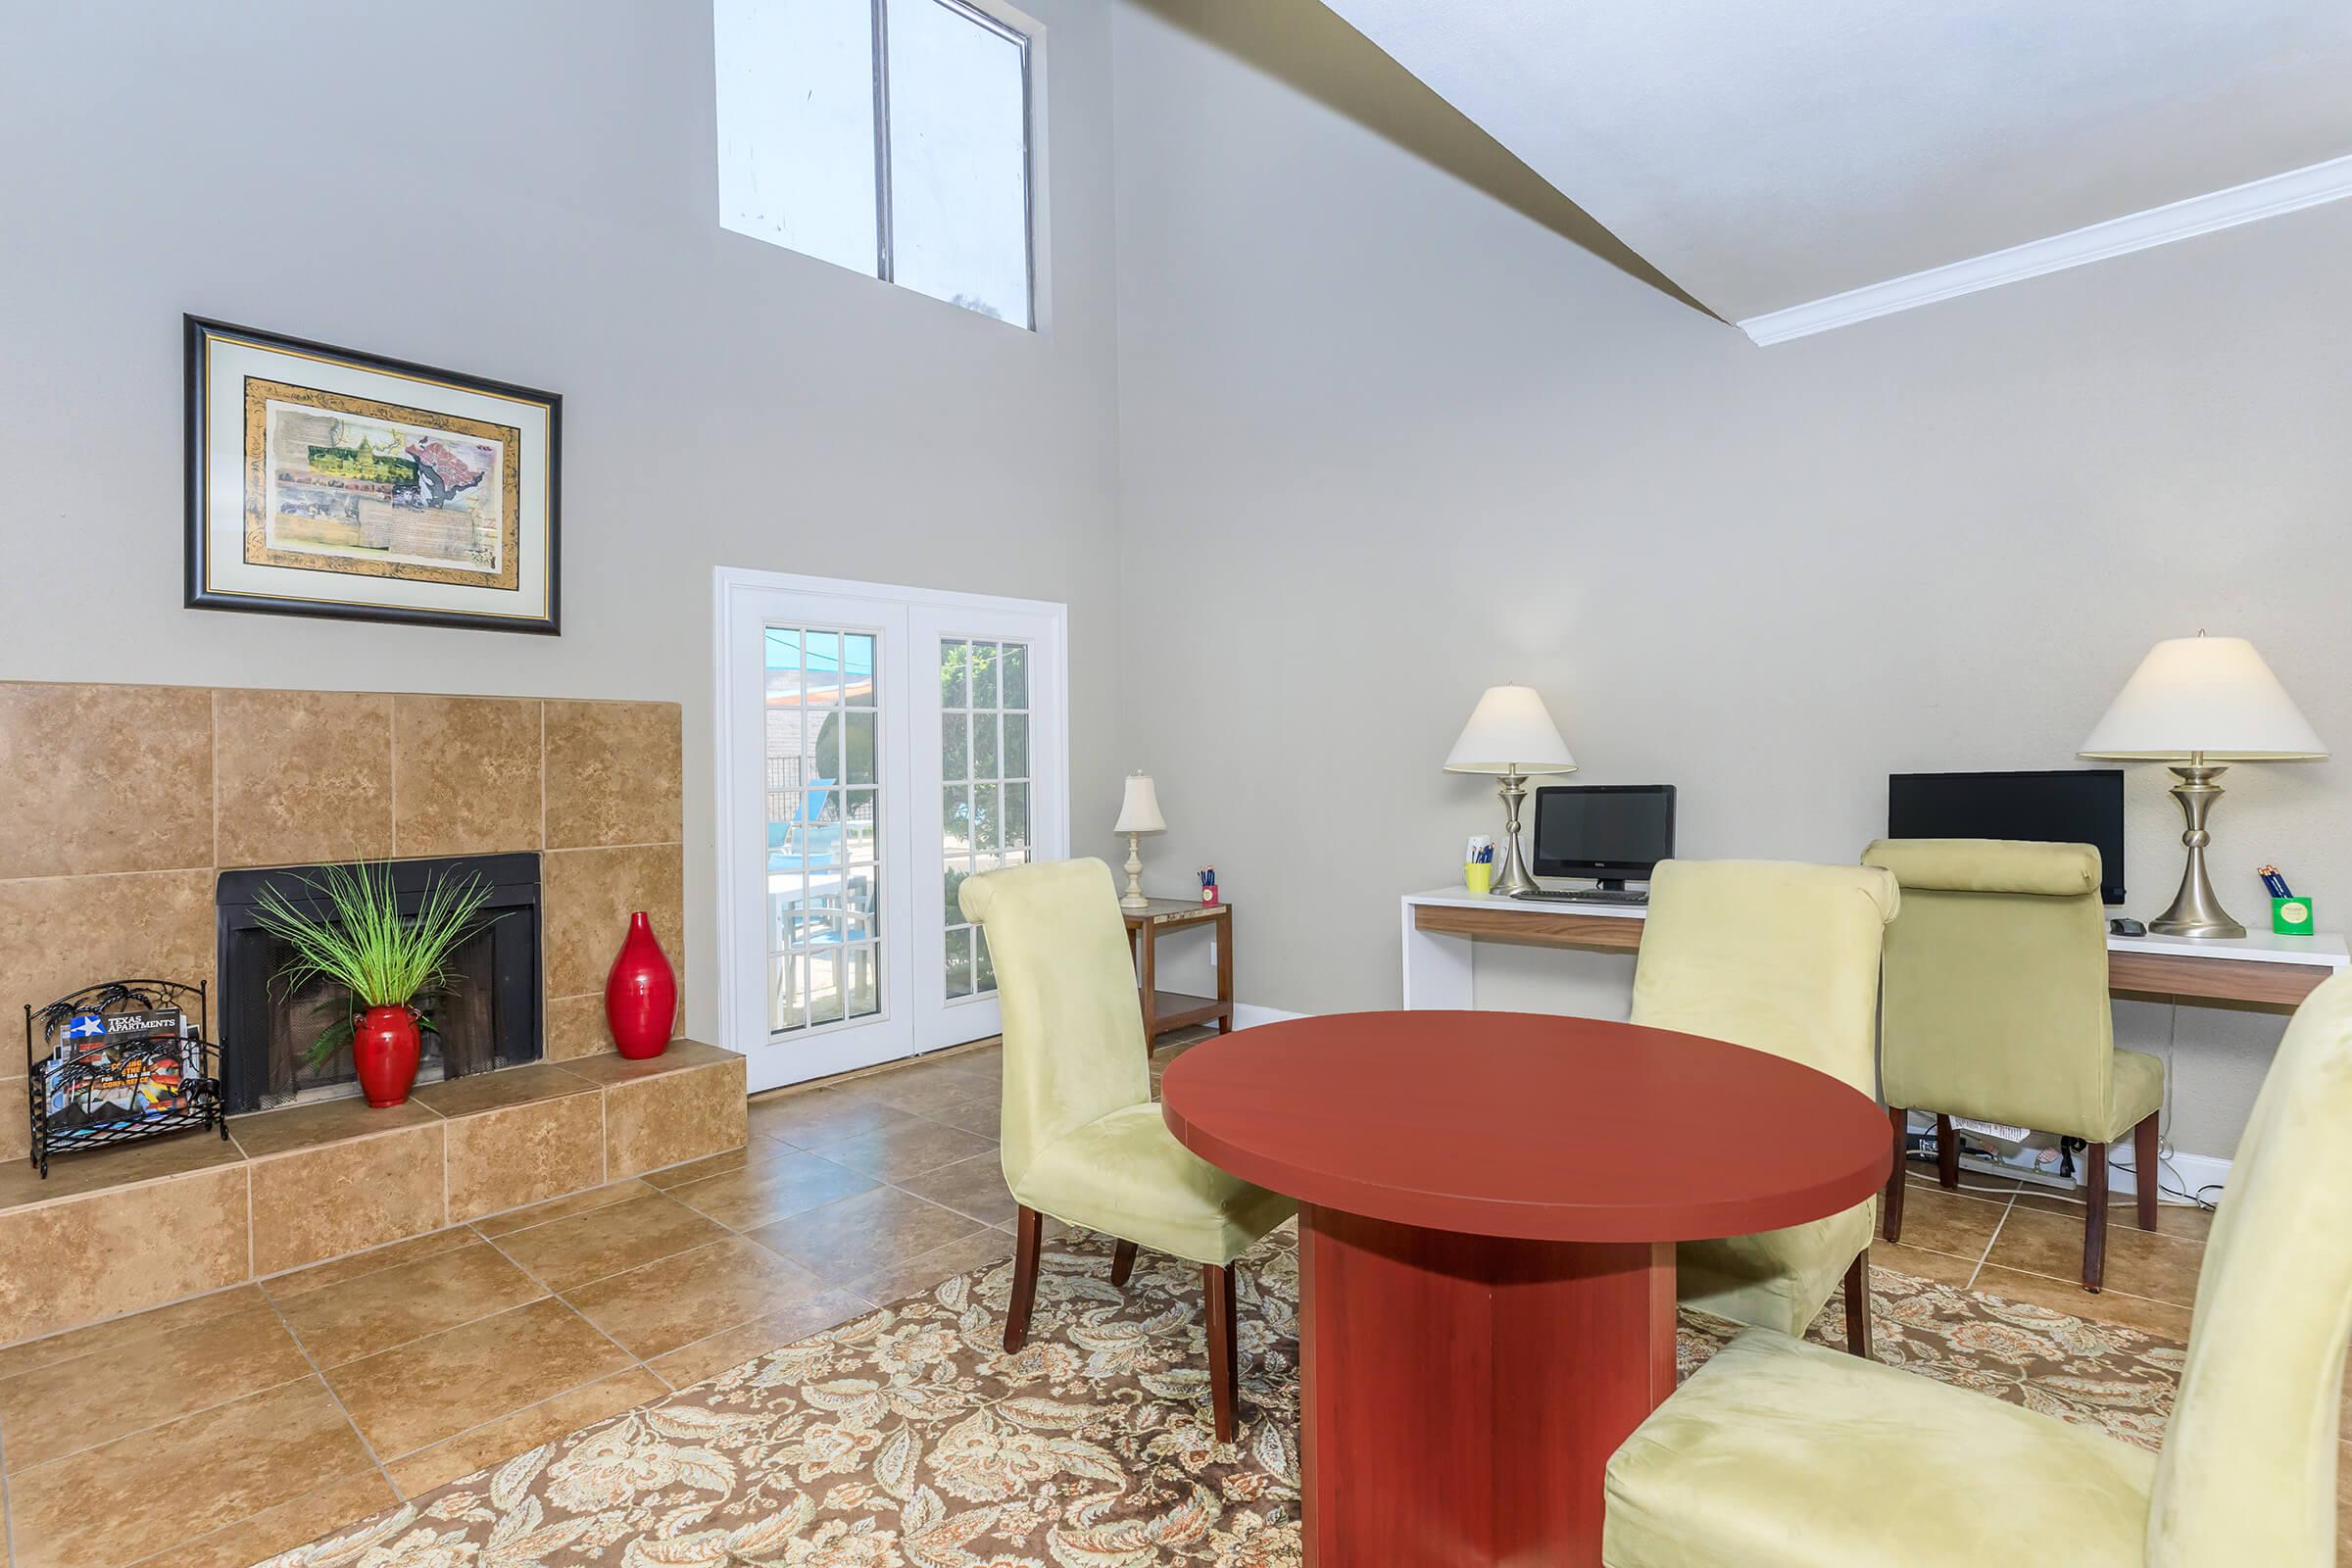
(1166, 1010)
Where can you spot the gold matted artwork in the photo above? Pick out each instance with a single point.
(328, 482)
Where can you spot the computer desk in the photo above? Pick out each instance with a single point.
(1442, 927)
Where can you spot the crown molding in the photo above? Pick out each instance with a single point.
(2290, 193)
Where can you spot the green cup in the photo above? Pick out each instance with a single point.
(1479, 877)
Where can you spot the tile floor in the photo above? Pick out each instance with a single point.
(2004, 1239)
(282, 1409)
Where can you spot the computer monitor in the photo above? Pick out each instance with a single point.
(1611, 832)
(2063, 806)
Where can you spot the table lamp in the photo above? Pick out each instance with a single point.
(2201, 702)
(1138, 813)
(1511, 735)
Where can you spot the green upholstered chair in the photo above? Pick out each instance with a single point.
(1778, 1453)
(1783, 958)
(1997, 1008)
(1083, 1141)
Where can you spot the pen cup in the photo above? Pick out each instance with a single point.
(2290, 917)
(1479, 877)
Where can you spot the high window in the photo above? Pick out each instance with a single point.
(890, 136)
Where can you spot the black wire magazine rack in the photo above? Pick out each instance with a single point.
(123, 1064)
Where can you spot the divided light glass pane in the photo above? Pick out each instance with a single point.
(987, 822)
(1017, 745)
(952, 691)
(858, 665)
(984, 970)
(866, 889)
(954, 747)
(984, 674)
(958, 160)
(960, 963)
(783, 1006)
(824, 658)
(984, 746)
(858, 743)
(952, 877)
(1014, 665)
(865, 981)
(1016, 816)
(858, 836)
(796, 125)
(826, 996)
(955, 818)
(825, 746)
(821, 818)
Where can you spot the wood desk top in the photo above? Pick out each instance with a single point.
(1171, 912)
(2259, 967)
(1527, 1125)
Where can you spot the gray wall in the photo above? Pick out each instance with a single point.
(1388, 439)
(525, 190)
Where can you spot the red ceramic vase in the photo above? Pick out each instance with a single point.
(383, 1049)
(641, 995)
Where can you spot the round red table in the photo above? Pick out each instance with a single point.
(1488, 1203)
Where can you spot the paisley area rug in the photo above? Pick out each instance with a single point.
(906, 1436)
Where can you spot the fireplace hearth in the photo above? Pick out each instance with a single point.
(488, 1017)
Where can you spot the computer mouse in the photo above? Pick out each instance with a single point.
(2127, 927)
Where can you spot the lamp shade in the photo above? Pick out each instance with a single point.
(1138, 812)
(1510, 729)
(2204, 696)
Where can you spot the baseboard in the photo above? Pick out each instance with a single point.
(2185, 1173)
(1248, 1015)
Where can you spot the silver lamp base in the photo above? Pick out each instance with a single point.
(2197, 909)
(1511, 878)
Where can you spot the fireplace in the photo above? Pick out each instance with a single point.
(487, 1018)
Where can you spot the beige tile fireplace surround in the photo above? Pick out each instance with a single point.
(124, 805)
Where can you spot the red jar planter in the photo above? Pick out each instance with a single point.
(641, 994)
(384, 1048)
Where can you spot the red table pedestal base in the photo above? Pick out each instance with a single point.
(1462, 1393)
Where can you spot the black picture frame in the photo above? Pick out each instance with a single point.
(197, 335)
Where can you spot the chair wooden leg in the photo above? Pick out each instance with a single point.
(2094, 1220)
(1028, 1235)
(1857, 1307)
(1122, 1262)
(2147, 1161)
(1891, 1218)
(1224, 1359)
(1947, 1155)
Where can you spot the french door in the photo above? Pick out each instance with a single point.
(877, 746)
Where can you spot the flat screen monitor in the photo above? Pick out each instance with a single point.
(1611, 832)
(2065, 805)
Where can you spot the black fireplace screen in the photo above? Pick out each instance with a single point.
(488, 1016)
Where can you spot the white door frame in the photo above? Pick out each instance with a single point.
(743, 601)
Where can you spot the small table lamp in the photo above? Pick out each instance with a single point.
(1138, 813)
(1511, 735)
(2202, 702)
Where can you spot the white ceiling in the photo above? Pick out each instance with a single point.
(1766, 154)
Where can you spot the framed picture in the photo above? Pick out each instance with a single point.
(323, 481)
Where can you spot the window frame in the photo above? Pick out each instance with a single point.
(885, 220)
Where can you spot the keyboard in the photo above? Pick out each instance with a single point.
(1636, 896)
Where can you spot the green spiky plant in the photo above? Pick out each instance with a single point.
(363, 942)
